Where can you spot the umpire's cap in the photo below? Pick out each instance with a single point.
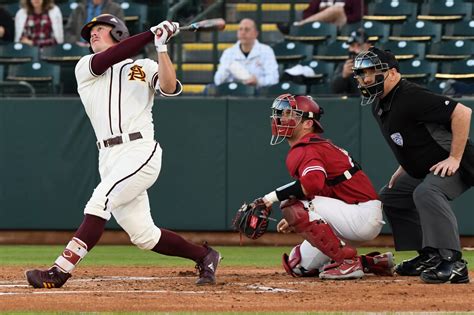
(119, 31)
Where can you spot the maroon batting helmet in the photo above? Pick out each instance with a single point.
(119, 31)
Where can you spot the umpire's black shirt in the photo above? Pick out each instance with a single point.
(402, 115)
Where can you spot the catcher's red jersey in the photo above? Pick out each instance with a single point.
(314, 156)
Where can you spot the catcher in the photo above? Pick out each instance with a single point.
(332, 204)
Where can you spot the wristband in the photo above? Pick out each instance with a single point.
(271, 197)
(162, 48)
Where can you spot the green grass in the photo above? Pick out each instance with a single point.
(102, 255)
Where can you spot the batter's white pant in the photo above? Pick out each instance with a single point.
(352, 223)
(127, 171)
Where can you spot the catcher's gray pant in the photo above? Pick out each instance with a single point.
(419, 211)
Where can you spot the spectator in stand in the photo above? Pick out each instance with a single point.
(343, 81)
(7, 27)
(86, 11)
(248, 61)
(339, 12)
(39, 23)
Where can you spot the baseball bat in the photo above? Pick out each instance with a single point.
(204, 26)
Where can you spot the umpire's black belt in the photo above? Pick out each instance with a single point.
(123, 138)
(344, 176)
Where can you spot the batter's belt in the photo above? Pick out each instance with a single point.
(123, 138)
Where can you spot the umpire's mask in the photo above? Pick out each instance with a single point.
(368, 63)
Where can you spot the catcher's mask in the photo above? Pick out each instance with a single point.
(119, 30)
(287, 113)
(367, 63)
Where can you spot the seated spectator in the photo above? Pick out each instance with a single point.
(39, 23)
(7, 27)
(248, 61)
(338, 12)
(343, 81)
(86, 11)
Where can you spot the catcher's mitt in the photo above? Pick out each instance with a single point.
(252, 219)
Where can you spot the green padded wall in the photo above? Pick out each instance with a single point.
(216, 155)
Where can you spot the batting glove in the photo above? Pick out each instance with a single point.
(164, 32)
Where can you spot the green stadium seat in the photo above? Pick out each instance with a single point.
(322, 88)
(194, 89)
(459, 30)
(312, 32)
(202, 52)
(391, 11)
(12, 7)
(437, 86)
(43, 76)
(335, 51)
(346, 30)
(66, 55)
(271, 12)
(419, 71)
(289, 51)
(417, 31)
(406, 49)
(235, 89)
(136, 16)
(2, 72)
(445, 11)
(14, 53)
(457, 70)
(282, 88)
(377, 31)
(323, 68)
(197, 73)
(66, 8)
(450, 50)
(270, 34)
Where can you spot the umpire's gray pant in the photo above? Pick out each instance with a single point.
(419, 211)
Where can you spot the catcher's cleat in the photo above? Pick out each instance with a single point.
(378, 264)
(348, 269)
(446, 271)
(414, 266)
(51, 278)
(207, 267)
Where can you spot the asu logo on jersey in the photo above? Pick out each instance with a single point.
(136, 73)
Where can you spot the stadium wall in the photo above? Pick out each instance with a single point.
(216, 155)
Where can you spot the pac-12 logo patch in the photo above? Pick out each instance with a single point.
(397, 138)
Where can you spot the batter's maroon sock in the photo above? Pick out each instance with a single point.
(91, 230)
(172, 244)
(84, 240)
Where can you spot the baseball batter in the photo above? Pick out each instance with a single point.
(117, 93)
(332, 204)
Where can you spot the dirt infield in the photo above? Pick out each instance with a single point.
(143, 289)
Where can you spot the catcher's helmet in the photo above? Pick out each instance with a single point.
(380, 62)
(119, 31)
(288, 111)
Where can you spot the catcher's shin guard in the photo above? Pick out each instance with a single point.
(318, 233)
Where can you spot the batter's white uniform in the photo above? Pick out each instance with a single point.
(119, 102)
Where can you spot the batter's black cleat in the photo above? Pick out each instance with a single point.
(414, 266)
(51, 278)
(446, 271)
(207, 267)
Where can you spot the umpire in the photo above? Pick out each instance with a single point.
(428, 135)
